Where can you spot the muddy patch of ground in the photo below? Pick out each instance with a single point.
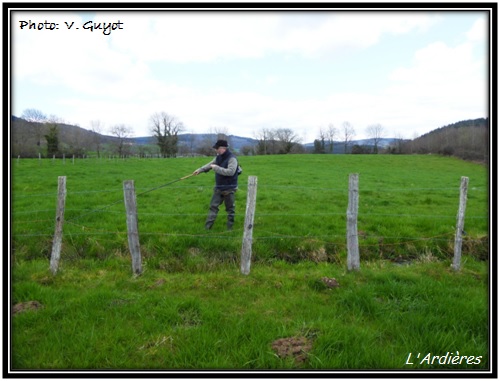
(297, 348)
(32, 305)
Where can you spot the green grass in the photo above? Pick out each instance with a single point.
(97, 316)
(192, 309)
(407, 205)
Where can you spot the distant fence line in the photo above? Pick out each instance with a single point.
(107, 156)
(352, 233)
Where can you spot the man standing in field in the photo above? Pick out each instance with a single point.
(225, 166)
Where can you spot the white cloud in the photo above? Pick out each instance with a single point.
(350, 31)
(445, 83)
(207, 36)
(194, 36)
(89, 76)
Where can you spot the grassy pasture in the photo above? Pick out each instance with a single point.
(407, 206)
(192, 309)
(96, 316)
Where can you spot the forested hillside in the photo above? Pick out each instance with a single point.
(28, 139)
(468, 139)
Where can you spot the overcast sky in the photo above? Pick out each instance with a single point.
(411, 72)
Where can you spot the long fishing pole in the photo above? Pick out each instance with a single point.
(139, 194)
(164, 185)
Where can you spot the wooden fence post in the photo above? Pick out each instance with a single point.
(460, 223)
(352, 224)
(246, 247)
(132, 231)
(57, 242)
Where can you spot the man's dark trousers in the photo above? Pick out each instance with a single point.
(219, 197)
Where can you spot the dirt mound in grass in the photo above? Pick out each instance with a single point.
(32, 305)
(293, 347)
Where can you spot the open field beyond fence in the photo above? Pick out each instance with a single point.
(407, 204)
(191, 309)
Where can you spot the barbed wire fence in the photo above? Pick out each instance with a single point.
(254, 236)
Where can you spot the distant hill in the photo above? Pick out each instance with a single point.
(474, 123)
(25, 137)
(67, 132)
(235, 142)
(468, 139)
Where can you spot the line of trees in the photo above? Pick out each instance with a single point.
(37, 134)
(468, 139)
(329, 136)
(275, 141)
(344, 136)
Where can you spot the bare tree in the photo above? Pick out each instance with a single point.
(398, 143)
(265, 136)
(376, 133)
(96, 128)
(320, 144)
(166, 128)
(221, 133)
(205, 147)
(191, 140)
(287, 139)
(348, 134)
(122, 132)
(206, 144)
(326, 140)
(37, 119)
(247, 150)
(277, 141)
(331, 134)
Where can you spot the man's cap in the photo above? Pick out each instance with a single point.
(220, 143)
